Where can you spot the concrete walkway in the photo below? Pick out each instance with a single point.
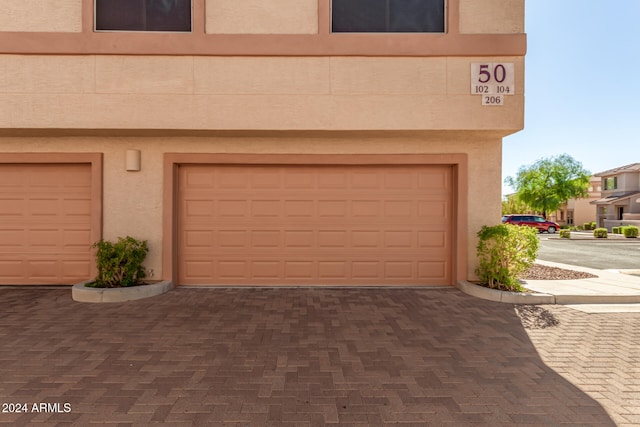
(610, 291)
(610, 287)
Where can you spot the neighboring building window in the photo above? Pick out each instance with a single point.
(387, 16)
(611, 183)
(143, 15)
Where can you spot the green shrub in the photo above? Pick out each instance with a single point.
(593, 225)
(565, 234)
(630, 231)
(504, 252)
(600, 233)
(120, 263)
(616, 230)
(586, 226)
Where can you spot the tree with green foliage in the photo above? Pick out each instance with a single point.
(512, 205)
(550, 182)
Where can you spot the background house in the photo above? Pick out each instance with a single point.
(620, 202)
(256, 142)
(579, 211)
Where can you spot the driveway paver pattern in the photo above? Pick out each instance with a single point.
(599, 352)
(312, 357)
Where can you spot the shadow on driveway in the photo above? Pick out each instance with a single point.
(280, 357)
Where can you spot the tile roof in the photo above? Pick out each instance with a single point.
(615, 198)
(633, 167)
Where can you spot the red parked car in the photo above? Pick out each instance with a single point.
(532, 221)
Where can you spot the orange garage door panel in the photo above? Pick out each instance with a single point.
(45, 223)
(315, 224)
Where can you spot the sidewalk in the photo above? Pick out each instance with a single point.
(610, 287)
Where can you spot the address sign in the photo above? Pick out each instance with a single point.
(492, 80)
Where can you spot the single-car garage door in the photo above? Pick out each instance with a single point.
(45, 223)
(342, 224)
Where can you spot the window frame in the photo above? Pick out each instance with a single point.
(96, 30)
(611, 183)
(445, 20)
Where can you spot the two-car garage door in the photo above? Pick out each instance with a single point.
(315, 224)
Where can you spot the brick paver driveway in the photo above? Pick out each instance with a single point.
(313, 357)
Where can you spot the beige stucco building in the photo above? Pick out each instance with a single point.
(620, 202)
(580, 211)
(252, 142)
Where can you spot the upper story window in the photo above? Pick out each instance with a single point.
(611, 183)
(387, 16)
(143, 15)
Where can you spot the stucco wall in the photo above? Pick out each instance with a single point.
(133, 200)
(629, 181)
(491, 16)
(41, 15)
(260, 17)
(301, 16)
(254, 16)
(583, 211)
(276, 93)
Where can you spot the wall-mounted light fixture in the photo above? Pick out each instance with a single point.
(132, 162)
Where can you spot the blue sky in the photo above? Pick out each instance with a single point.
(582, 85)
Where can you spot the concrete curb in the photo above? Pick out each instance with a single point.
(504, 296)
(81, 293)
(589, 236)
(536, 298)
(597, 299)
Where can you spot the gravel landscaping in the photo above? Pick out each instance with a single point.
(541, 272)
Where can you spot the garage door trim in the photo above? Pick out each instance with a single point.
(173, 160)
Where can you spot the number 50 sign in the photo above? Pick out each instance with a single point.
(492, 80)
